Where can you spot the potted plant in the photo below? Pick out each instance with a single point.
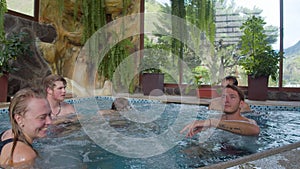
(259, 59)
(11, 48)
(155, 59)
(201, 84)
(152, 81)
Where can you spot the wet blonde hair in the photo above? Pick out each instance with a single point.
(18, 106)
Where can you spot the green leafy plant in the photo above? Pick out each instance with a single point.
(198, 81)
(151, 64)
(200, 77)
(259, 59)
(11, 48)
(154, 59)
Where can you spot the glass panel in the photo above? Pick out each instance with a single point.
(229, 18)
(22, 6)
(158, 44)
(220, 58)
(291, 27)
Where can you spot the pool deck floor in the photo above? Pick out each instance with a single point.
(285, 157)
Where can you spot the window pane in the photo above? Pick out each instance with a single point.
(230, 17)
(22, 6)
(291, 27)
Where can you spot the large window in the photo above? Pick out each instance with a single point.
(291, 43)
(24, 8)
(229, 17)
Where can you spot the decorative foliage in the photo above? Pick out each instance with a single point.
(200, 76)
(10, 49)
(201, 13)
(198, 81)
(152, 61)
(113, 58)
(259, 57)
(94, 17)
(3, 9)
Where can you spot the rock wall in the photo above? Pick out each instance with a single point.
(57, 38)
(63, 53)
(31, 67)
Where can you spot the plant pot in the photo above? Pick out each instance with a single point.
(153, 84)
(258, 88)
(3, 87)
(207, 92)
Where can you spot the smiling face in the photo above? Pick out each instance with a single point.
(36, 119)
(231, 101)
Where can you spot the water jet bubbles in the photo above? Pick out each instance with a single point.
(98, 46)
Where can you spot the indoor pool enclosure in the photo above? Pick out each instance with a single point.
(148, 136)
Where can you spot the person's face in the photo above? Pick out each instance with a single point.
(231, 101)
(59, 91)
(34, 123)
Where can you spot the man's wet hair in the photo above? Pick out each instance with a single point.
(233, 79)
(238, 90)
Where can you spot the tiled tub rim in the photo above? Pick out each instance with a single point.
(141, 100)
(78, 100)
(254, 157)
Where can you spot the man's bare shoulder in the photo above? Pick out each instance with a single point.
(67, 108)
(245, 108)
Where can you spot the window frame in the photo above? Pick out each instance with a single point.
(280, 87)
(35, 16)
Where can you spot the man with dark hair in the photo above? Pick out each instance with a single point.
(232, 80)
(231, 120)
(215, 103)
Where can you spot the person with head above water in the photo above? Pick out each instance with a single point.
(231, 120)
(55, 88)
(114, 115)
(216, 103)
(29, 113)
(119, 104)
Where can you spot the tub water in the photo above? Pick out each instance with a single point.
(152, 139)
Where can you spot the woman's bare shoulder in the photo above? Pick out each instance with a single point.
(23, 154)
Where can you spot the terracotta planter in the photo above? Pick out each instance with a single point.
(207, 92)
(3, 87)
(258, 88)
(153, 84)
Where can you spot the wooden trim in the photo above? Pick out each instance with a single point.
(142, 36)
(285, 89)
